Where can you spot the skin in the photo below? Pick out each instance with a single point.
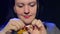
(25, 8)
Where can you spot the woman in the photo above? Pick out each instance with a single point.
(26, 12)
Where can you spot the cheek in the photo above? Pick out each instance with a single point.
(18, 10)
(33, 10)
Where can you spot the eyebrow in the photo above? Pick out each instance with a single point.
(31, 2)
(19, 3)
(28, 3)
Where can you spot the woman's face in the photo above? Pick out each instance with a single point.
(26, 10)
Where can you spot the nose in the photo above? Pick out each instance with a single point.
(26, 13)
(26, 10)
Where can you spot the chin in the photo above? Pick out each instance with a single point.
(28, 22)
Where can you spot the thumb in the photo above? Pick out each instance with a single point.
(30, 28)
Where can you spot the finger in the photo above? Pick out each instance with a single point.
(35, 28)
(34, 22)
(9, 27)
(21, 24)
(18, 23)
(39, 24)
(14, 22)
(10, 31)
(30, 28)
(13, 27)
(41, 27)
(25, 32)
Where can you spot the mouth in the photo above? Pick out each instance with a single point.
(27, 16)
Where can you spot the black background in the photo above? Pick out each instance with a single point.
(51, 11)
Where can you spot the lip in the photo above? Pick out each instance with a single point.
(27, 16)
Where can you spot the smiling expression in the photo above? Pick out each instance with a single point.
(26, 10)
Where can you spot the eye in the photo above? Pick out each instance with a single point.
(20, 5)
(32, 4)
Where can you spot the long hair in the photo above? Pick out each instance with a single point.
(11, 13)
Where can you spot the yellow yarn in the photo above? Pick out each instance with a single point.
(21, 31)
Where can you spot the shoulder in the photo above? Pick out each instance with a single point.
(49, 24)
(51, 28)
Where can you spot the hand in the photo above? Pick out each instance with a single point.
(38, 27)
(25, 32)
(13, 24)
